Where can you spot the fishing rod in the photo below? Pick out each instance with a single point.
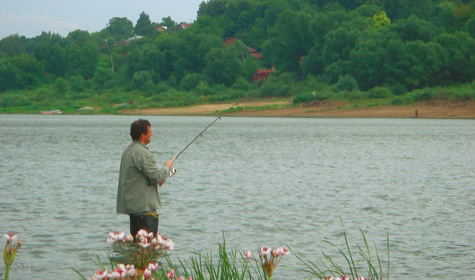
(173, 170)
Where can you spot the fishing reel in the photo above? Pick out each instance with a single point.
(172, 172)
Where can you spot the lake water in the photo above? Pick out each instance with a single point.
(257, 181)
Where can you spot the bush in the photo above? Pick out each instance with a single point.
(270, 89)
(118, 98)
(398, 89)
(242, 84)
(379, 92)
(142, 80)
(60, 86)
(16, 100)
(323, 95)
(162, 87)
(346, 82)
(203, 89)
(355, 95)
(191, 81)
(423, 95)
(42, 94)
(77, 83)
(304, 97)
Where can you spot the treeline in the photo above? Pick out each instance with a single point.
(318, 48)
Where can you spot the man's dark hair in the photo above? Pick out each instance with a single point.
(138, 127)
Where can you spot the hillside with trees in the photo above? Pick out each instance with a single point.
(399, 51)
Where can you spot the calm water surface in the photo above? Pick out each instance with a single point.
(257, 181)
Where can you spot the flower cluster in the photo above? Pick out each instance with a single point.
(125, 272)
(139, 255)
(268, 258)
(142, 250)
(346, 277)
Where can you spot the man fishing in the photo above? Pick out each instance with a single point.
(139, 180)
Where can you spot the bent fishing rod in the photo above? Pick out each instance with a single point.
(173, 170)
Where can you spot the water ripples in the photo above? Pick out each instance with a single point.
(252, 181)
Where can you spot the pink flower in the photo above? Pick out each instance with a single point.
(152, 266)
(125, 270)
(144, 234)
(265, 251)
(147, 273)
(281, 252)
(128, 238)
(144, 243)
(114, 275)
(11, 237)
(168, 244)
(115, 236)
(100, 274)
(171, 274)
(248, 255)
(130, 269)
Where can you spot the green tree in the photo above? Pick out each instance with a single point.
(381, 20)
(460, 63)
(60, 86)
(222, 66)
(77, 83)
(213, 8)
(291, 41)
(12, 45)
(79, 37)
(31, 71)
(191, 81)
(83, 60)
(10, 77)
(312, 64)
(142, 80)
(54, 57)
(413, 28)
(426, 62)
(119, 29)
(168, 22)
(470, 26)
(336, 52)
(144, 26)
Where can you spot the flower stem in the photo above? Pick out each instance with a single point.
(7, 271)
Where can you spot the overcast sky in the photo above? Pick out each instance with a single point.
(30, 17)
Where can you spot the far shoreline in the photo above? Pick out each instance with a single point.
(436, 109)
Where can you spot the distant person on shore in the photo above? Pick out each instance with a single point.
(139, 179)
(416, 114)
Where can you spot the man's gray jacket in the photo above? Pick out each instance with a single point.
(138, 180)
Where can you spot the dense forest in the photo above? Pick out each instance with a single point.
(399, 50)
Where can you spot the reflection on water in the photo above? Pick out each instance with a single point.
(259, 181)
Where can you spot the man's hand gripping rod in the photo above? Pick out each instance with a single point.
(173, 170)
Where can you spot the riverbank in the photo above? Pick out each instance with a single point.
(323, 109)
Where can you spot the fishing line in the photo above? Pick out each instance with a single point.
(173, 170)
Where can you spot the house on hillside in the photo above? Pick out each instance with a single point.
(261, 74)
(130, 39)
(161, 29)
(180, 26)
(255, 53)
